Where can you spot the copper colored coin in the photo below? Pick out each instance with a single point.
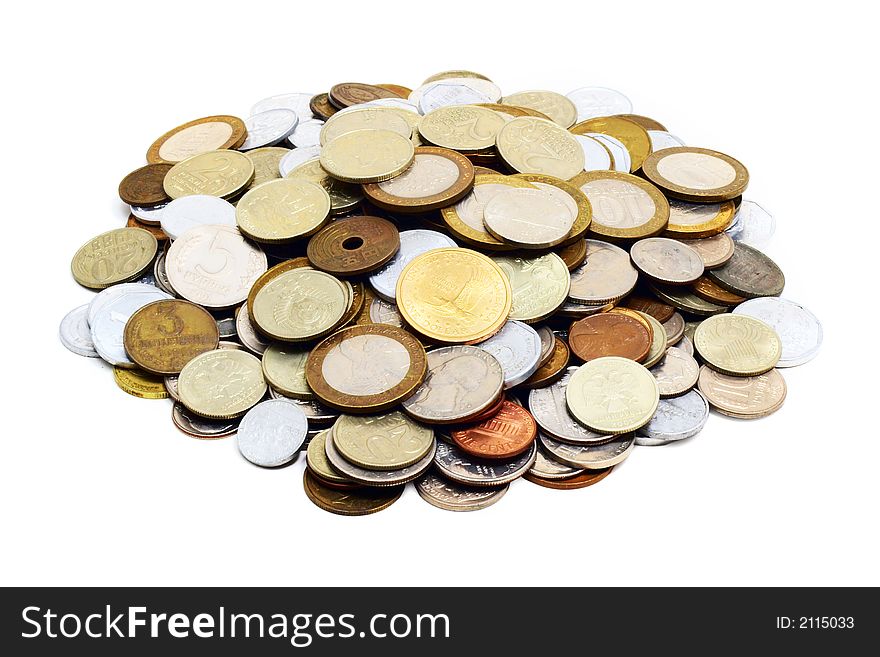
(349, 502)
(354, 245)
(398, 89)
(582, 480)
(144, 186)
(656, 309)
(609, 334)
(321, 107)
(337, 485)
(346, 94)
(574, 255)
(553, 369)
(277, 270)
(509, 432)
(155, 231)
(705, 288)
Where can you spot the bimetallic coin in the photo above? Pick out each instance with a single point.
(366, 118)
(517, 346)
(676, 419)
(737, 345)
(610, 334)
(316, 458)
(693, 174)
(200, 427)
(199, 136)
(676, 373)
(579, 207)
(268, 128)
(353, 245)
(674, 328)
(749, 273)
(590, 457)
(461, 127)
(140, 384)
(297, 157)
(696, 220)
(247, 333)
(282, 210)
(528, 218)
(367, 156)
(633, 136)
(144, 186)
(598, 101)
(624, 206)
(508, 432)
(272, 433)
(307, 134)
(715, 250)
(116, 256)
(220, 173)
(797, 327)
(452, 496)
(550, 411)
(752, 225)
(667, 261)
(539, 285)
(412, 244)
(465, 219)
(454, 464)
(75, 333)
(196, 210)
(108, 322)
(531, 145)
(560, 109)
(285, 370)
(547, 467)
(223, 383)
(343, 196)
(743, 397)
(360, 502)
(381, 442)
(606, 276)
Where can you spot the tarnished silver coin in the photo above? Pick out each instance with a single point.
(412, 244)
(666, 260)
(676, 419)
(197, 210)
(297, 157)
(377, 477)
(298, 102)
(306, 134)
(676, 373)
(590, 457)
(547, 467)
(548, 342)
(752, 225)
(149, 215)
(606, 276)
(200, 427)
(620, 156)
(517, 346)
(462, 381)
(247, 334)
(749, 273)
(316, 412)
(75, 333)
(161, 276)
(268, 128)
(685, 345)
(272, 433)
(547, 405)
(674, 327)
(458, 466)
(798, 328)
(661, 139)
(108, 324)
(226, 327)
(599, 101)
(597, 157)
(453, 496)
(385, 312)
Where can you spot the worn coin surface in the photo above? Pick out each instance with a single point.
(509, 432)
(696, 220)
(685, 345)
(633, 136)
(676, 373)
(548, 407)
(547, 467)
(346, 94)
(272, 433)
(200, 427)
(367, 156)
(453, 496)
(624, 206)
(343, 196)
(462, 127)
(412, 243)
(220, 173)
(381, 442)
(590, 457)
(666, 260)
(558, 108)
(195, 210)
(662, 312)
(674, 328)
(743, 397)
(111, 312)
(676, 419)
(285, 370)
(598, 101)
(267, 161)
(715, 250)
(344, 502)
(455, 464)
(737, 344)
(223, 383)
(199, 136)
(696, 174)
(749, 273)
(705, 288)
(798, 328)
(606, 276)
(116, 256)
(607, 334)
(517, 346)
(140, 384)
(300, 304)
(268, 128)
(531, 145)
(353, 245)
(143, 187)
(384, 312)
(282, 210)
(539, 285)
(75, 333)
(366, 118)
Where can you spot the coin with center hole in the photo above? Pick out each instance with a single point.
(354, 245)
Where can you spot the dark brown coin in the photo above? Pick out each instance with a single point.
(321, 107)
(277, 270)
(480, 170)
(582, 480)
(646, 122)
(358, 502)
(337, 485)
(509, 432)
(574, 255)
(144, 186)
(553, 369)
(609, 334)
(749, 273)
(705, 288)
(354, 245)
(398, 89)
(656, 309)
(358, 296)
(346, 94)
(155, 231)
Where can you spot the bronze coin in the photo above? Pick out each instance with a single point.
(337, 485)
(609, 334)
(553, 369)
(398, 89)
(346, 94)
(438, 177)
(480, 170)
(354, 245)
(656, 309)
(155, 231)
(582, 480)
(358, 296)
(705, 288)
(321, 107)
(644, 121)
(144, 186)
(574, 255)
(277, 270)
(360, 502)
(511, 431)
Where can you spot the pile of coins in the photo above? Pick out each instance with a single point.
(444, 286)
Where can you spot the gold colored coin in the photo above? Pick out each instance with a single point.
(659, 340)
(539, 286)
(559, 108)
(114, 257)
(366, 156)
(624, 206)
(574, 198)
(461, 127)
(454, 295)
(300, 304)
(705, 288)
(627, 132)
(221, 384)
(199, 136)
(698, 175)
(343, 196)
(381, 442)
(316, 459)
(737, 345)
(215, 173)
(510, 112)
(612, 395)
(285, 370)
(530, 145)
(140, 384)
(697, 220)
(283, 210)
(266, 161)
(445, 75)
(358, 502)
(277, 270)
(398, 89)
(364, 118)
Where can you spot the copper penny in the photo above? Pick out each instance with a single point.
(574, 255)
(144, 186)
(321, 107)
(354, 245)
(277, 270)
(582, 480)
(609, 334)
(511, 431)
(155, 231)
(656, 309)
(705, 288)
(346, 94)
(398, 89)
(553, 369)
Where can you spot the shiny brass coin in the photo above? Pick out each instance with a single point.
(657, 309)
(366, 368)
(359, 502)
(685, 300)
(287, 265)
(353, 245)
(624, 206)
(644, 121)
(266, 161)
(284, 368)
(222, 384)
(316, 459)
(358, 295)
(715, 251)
(366, 156)
(698, 175)
(346, 94)
(344, 196)
(705, 288)
(737, 345)
(743, 397)
(454, 295)
(609, 334)
(321, 106)
(282, 210)
(553, 369)
(461, 127)
(140, 384)
(582, 480)
(575, 254)
(116, 256)
(576, 201)
(438, 178)
(155, 231)
(299, 305)
(629, 133)
(539, 285)
(445, 75)
(143, 186)
(659, 339)
(165, 335)
(695, 220)
(510, 112)
(215, 173)
(531, 145)
(556, 106)
(208, 134)
(381, 442)
(397, 89)
(365, 118)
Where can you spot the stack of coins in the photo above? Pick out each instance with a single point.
(443, 285)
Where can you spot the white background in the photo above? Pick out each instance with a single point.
(98, 487)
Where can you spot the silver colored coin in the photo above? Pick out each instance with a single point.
(752, 225)
(548, 343)
(268, 128)
(661, 139)
(226, 326)
(297, 157)
(749, 273)
(458, 466)
(187, 212)
(596, 156)
(517, 346)
(111, 293)
(798, 328)
(395, 103)
(171, 382)
(676, 373)
(685, 345)
(547, 467)
(590, 457)
(412, 244)
(316, 412)
(599, 101)
(674, 327)
(228, 344)
(297, 102)
(149, 278)
(578, 310)
(200, 427)
(385, 312)
(272, 433)
(109, 322)
(454, 91)
(452, 496)
(247, 334)
(149, 215)
(75, 333)
(548, 407)
(676, 419)
(620, 156)
(607, 275)
(306, 134)
(665, 260)
(160, 275)
(378, 477)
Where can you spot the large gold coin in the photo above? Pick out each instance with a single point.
(737, 345)
(530, 145)
(624, 206)
(454, 295)
(366, 156)
(559, 108)
(539, 285)
(266, 163)
(461, 127)
(627, 132)
(345, 502)
(221, 384)
(445, 75)
(277, 270)
(364, 118)
(343, 196)
(282, 210)
(140, 384)
(199, 136)
(285, 370)
(381, 442)
(114, 257)
(612, 395)
(215, 173)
